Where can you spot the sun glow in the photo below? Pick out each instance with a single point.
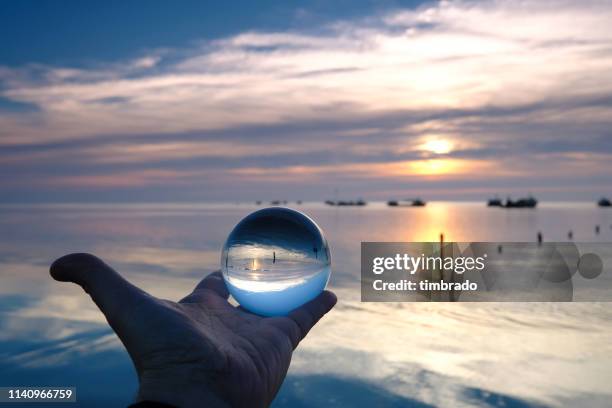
(434, 167)
(450, 167)
(437, 146)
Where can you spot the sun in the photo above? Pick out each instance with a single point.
(438, 146)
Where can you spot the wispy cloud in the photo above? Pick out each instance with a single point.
(498, 78)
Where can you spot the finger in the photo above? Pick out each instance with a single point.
(289, 327)
(110, 291)
(213, 282)
(299, 322)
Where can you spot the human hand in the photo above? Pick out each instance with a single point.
(200, 351)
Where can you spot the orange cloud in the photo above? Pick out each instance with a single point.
(448, 168)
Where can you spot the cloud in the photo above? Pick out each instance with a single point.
(495, 77)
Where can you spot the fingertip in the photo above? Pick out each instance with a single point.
(65, 268)
(57, 268)
(327, 299)
(330, 298)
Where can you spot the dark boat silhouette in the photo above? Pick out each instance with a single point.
(343, 203)
(528, 202)
(495, 202)
(406, 203)
(604, 202)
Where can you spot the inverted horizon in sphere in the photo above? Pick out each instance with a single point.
(275, 260)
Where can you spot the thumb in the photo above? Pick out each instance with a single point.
(114, 295)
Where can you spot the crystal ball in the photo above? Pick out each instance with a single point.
(275, 260)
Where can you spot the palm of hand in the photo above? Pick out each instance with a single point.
(201, 350)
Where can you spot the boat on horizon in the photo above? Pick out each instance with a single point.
(529, 202)
(604, 202)
(344, 203)
(407, 203)
(495, 202)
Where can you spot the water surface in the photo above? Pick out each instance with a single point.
(483, 354)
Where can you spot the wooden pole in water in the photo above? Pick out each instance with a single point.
(441, 274)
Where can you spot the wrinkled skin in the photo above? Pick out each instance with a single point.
(200, 351)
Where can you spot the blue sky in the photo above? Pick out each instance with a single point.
(76, 33)
(209, 101)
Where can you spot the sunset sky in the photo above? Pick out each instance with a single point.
(240, 101)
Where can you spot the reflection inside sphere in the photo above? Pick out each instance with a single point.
(275, 260)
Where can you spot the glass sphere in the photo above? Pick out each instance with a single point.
(274, 260)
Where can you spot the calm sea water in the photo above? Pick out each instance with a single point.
(484, 354)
